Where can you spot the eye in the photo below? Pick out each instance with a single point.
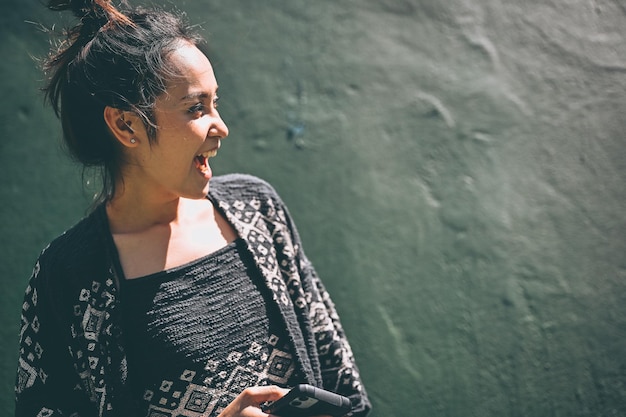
(215, 102)
(196, 108)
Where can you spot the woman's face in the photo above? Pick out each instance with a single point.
(189, 132)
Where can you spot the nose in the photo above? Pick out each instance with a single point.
(218, 127)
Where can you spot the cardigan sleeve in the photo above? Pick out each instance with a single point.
(46, 381)
(262, 219)
(338, 367)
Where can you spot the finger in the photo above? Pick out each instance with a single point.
(258, 395)
(272, 415)
(248, 402)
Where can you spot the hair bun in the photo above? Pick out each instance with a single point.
(100, 10)
(80, 8)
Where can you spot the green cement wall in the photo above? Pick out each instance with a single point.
(456, 170)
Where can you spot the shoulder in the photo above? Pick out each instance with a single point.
(242, 195)
(79, 247)
(241, 187)
(72, 261)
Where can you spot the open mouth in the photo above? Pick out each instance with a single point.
(202, 161)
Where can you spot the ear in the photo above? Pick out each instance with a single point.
(123, 125)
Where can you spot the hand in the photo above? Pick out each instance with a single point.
(248, 403)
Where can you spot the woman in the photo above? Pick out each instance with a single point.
(180, 294)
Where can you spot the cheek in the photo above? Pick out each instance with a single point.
(171, 122)
(180, 127)
(190, 133)
(199, 127)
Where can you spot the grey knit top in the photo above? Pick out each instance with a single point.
(205, 323)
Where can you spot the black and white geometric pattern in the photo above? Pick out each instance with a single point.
(207, 391)
(76, 265)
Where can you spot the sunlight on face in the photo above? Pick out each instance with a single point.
(190, 128)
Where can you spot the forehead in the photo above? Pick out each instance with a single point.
(194, 73)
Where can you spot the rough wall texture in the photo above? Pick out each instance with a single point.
(456, 169)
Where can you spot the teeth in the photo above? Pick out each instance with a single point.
(208, 154)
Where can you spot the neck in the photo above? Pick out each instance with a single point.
(127, 215)
(131, 212)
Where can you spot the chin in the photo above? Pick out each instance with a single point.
(194, 194)
(203, 193)
(197, 196)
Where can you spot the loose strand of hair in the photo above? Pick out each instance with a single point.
(114, 15)
(57, 65)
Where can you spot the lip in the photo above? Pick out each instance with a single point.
(212, 151)
(209, 153)
(201, 160)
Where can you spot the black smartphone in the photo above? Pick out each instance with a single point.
(306, 400)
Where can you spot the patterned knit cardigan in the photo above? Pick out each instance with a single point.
(72, 360)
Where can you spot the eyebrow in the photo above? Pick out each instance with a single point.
(198, 95)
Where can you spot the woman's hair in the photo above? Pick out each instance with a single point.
(115, 58)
